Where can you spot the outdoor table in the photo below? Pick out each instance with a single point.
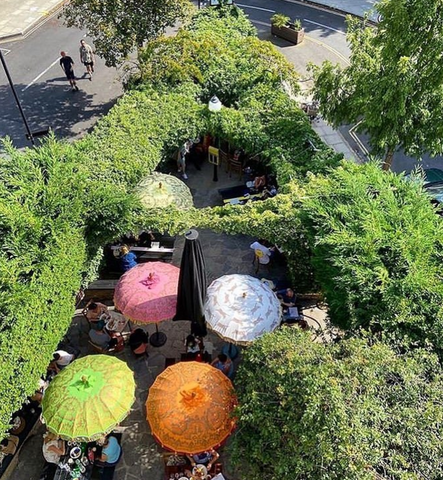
(117, 323)
(65, 470)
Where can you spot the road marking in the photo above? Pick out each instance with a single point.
(333, 50)
(325, 26)
(255, 8)
(356, 138)
(305, 19)
(5, 51)
(41, 74)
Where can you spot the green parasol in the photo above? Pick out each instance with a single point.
(88, 398)
(159, 190)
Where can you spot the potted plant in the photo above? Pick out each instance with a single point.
(283, 27)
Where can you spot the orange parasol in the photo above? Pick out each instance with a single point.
(189, 407)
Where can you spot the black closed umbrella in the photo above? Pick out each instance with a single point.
(192, 285)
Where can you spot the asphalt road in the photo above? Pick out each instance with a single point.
(44, 92)
(319, 24)
(48, 101)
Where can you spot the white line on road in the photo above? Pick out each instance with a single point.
(5, 51)
(305, 19)
(354, 135)
(255, 8)
(41, 74)
(324, 26)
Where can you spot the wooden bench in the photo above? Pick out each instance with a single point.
(146, 254)
(103, 289)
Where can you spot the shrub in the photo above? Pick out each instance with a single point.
(340, 411)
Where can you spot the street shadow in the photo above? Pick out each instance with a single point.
(50, 104)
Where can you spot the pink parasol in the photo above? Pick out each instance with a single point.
(147, 293)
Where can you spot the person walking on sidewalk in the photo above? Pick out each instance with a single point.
(67, 65)
(87, 57)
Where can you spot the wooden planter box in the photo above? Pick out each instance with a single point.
(289, 34)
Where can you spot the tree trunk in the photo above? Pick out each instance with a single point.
(387, 163)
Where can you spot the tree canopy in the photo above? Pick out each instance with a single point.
(393, 85)
(377, 253)
(340, 411)
(119, 26)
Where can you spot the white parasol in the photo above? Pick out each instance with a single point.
(240, 308)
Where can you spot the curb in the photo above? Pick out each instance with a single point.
(38, 23)
(328, 8)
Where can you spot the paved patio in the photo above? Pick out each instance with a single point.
(224, 254)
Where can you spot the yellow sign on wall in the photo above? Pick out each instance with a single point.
(213, 156)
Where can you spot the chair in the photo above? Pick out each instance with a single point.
(235, 166)
(99, 349)
(224, 159)
(138, 342)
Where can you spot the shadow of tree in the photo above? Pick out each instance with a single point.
(51, 104)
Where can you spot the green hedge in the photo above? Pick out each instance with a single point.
(337, 412)
(378, 248)
(42, 257)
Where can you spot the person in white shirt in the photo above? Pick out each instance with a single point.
(62, 359)
(53, 447)
(263, 253)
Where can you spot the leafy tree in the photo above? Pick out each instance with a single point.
(393, 86)
(118, 26)
(219, 51)
(337, 412)
(377, 253)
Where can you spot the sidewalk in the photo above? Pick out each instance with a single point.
(17, 18)
(354, 7)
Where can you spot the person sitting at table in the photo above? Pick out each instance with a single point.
(193, 344)
(110, 453)
(128, 259)
(207, 458)
(270, 190)
(101, 338)
(53, 447)
(287, 297)
(61, 359)
(194, 347)
(258, 184)
(97, 313)
(138, 342)
(95, 310)
(8, 446)
(224, 364)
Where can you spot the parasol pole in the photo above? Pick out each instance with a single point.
(157, 339)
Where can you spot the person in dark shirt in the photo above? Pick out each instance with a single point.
(287, 297)
(67, 65)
